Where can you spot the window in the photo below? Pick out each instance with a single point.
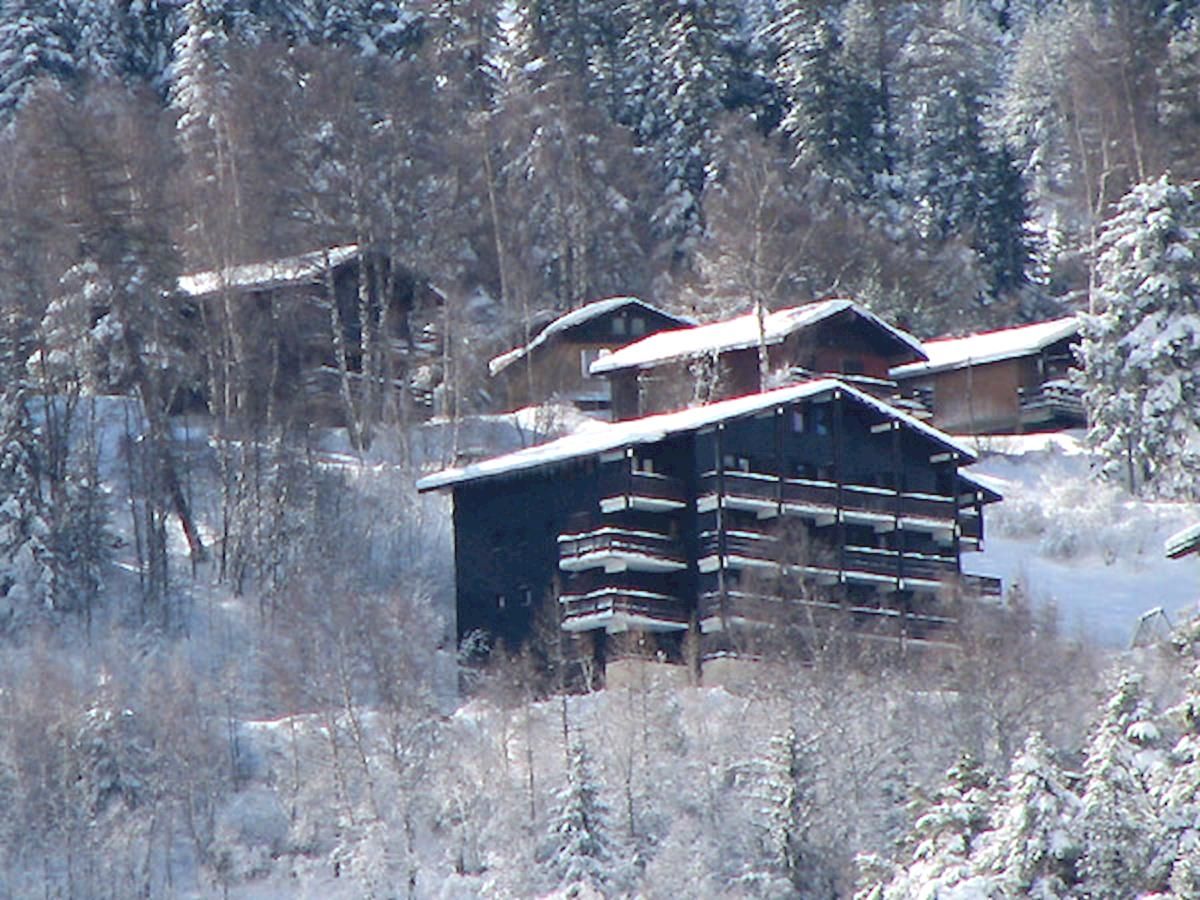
(637, 325)
(619, 325)
(818, 419)
(734, 463)
(643, 464)
(589, 356)
(798, 421)
(500, 601)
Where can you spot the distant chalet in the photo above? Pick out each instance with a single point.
(811, 505)
(555, 363)
(1000, 382)
(282, 313)
(721, 359)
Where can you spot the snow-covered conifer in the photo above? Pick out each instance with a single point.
(26, 565)
(579, 852)
(1034, 847)
(944, 847)
(1118, 826)
(1141, 348)
(35, 42)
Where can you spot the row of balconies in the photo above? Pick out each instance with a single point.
(820, 501)
(616, 574)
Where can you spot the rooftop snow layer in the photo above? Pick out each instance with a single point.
(575, 317)
(268, 274)
(652, 429)
(989, 346)
(737, 334)
(1181, 543)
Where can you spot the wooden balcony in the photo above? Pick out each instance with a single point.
(888, 569)
(822, 502)
(745, 607)
(647, 491)
(618, 602)
(616, 549)
(983, 586)
(1054, 401)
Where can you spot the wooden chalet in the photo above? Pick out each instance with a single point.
(288, 317)
(556, 363)
(1000, 382)
(721, 359)
(814, 500)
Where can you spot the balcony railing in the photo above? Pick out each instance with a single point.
(642, 490)
(766, 493)
(615, 548)
(862, 564)
(1054, 400)
(619, 601)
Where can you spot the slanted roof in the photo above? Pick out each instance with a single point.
(268, 274)
(572, 319)
(989, 347)
(740, 333)
(652, 429)
(1181, 543)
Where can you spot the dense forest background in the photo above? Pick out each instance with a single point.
(225, 641)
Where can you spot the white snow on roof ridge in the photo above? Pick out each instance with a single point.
(737, 333)
(268, 273)
(989, 346)
(652, 429)
(585, 313)
(1182, 542)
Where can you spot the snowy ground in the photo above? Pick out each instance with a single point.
(1087, 547)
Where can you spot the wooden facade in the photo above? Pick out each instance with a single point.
(287, 318)
(556, 363)
(1004, 382)
(721, 359)
(813, 501)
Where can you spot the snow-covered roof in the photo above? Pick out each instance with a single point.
(989, 346)
(737, 334)
(575, 317)
(269, 273)
(1181, 543)
(652, 429)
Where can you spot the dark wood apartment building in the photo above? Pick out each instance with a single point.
(721, 359)
(814, 500)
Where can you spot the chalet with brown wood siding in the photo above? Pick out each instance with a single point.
(556, 363)
(1000, 382)
(721, 359)
(298, 336)
(815, 503)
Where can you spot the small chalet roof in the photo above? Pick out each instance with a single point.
(989, 347)
(268, 274)
(1181, 543)
(652, 429)
(575, 317)
(740, 333)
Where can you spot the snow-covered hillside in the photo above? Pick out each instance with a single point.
(1084, 545)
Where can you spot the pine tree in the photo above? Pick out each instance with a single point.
(958, 184)
(1178, 797)
(579, 851)
(35, 42)
(1034, 848)
(1141, 348)
(26, 560)
(785, 815)
(1118, 825)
